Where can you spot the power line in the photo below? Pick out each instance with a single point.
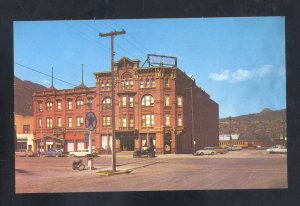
(43, 73)
(95, 29)
(129, 35)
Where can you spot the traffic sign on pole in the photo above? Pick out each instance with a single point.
(90, 121)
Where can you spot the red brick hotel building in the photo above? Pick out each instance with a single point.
(152, 106)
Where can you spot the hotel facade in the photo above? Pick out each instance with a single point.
(153, 106)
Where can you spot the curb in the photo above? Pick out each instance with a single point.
(110, 172)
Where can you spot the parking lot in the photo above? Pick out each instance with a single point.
(245, 169)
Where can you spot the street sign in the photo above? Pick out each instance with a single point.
(90, 121)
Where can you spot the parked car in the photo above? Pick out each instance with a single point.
(218, 150)
(148, 151)
(259, 147)
(269, 149)
(82, 153)
(25, 153)
(277, 149)
(206, 151)
(52, 153)
(234, 148)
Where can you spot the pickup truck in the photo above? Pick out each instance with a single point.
(52, 153)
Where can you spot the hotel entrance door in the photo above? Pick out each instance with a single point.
(127, 143)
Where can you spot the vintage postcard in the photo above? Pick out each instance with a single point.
(150, 105)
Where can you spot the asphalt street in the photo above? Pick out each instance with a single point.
(246, 169)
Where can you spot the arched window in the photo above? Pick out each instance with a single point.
(106, 102)
(147, 100)
(152, 82)
(147, 83)
(141, 83)
(167, 82)
(49, 105)
(79, 103)
(102, 86)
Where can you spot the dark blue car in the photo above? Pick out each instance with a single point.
(52, 153)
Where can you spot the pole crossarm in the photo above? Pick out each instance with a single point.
(113, 33)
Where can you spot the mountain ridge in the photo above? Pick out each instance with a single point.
(267, 125)
(23, 91)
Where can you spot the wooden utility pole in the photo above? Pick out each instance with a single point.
(230, 138)
(112, 35)
(192, 109)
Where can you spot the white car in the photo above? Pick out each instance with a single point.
(206, 151)
(81, 153)
(277, 149)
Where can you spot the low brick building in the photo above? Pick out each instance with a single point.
(152, 106)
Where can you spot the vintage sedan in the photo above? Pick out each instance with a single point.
(234, 148)
(148, 151)
(277, 150)
(52, 153)
(206, 151)
(25, 153)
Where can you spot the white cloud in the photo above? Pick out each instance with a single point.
(220, 76)
(241, 75)
(264, 70)
(45, 82)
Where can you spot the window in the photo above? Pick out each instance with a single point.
(40, 122)
(79, 104)
(90, 102)
(69, 122)
(79, 122)
(167, 100)
(69, 104)
(147, 100)
(48, 122)
(167, 82)
(107, 102)
(131, 121)
(107, 86)
(58, 121)
(124, 121)
(147, 83)
(179, 120)
(167, 119)
(26, 129)
(130, 101)
(124, 101)
(49, 106)
(152, 82)
(58, 104)
(179, 101)
(106, 121)
(147, 120)
(141, 83)
(131, 84)
(102, 86)
(40, 107)
(126, 85)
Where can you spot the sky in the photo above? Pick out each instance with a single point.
(239, 62)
